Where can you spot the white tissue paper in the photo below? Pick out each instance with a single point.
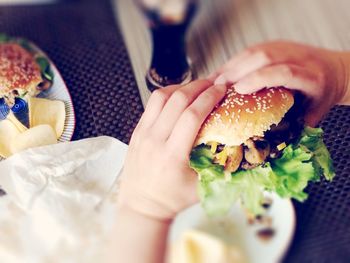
(60, 202)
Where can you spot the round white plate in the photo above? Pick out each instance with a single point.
(235, 229)
(59, 91)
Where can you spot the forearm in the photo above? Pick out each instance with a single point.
(137, 238)
(345, 62)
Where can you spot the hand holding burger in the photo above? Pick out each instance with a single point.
(157, 181)
(322, 75)
(252, 142)
(268, 148)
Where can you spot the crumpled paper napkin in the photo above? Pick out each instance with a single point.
(60, 201)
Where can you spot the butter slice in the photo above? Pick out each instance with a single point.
(49, 112)
(11, 117)
(8, 131)
(40, 135)
(198, 247)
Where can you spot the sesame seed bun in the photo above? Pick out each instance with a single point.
(18, 71)
(240, 117)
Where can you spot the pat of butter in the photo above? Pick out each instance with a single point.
(12, 118)
(198, 247)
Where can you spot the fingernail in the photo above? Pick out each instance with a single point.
(241, 87)
(220, 80)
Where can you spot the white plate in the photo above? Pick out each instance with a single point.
(235, 229)
(59, 91)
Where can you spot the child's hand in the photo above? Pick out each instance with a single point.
(157, 181)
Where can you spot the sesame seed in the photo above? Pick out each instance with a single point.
(18, 63)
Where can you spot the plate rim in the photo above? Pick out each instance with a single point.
(53, 65)
(290, 239)
(65, 89)
(70, 99)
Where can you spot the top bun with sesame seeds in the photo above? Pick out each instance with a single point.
(19, 72)
(239, 117)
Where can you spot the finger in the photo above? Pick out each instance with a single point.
(316, 113)
(176, 104)
(234, 72)
(211, 77)
(257, 57)
(153, 108)
(185, 131)
(235, 60)
(155, 104)
(313, 118)
(289, 76)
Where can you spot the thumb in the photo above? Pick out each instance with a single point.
(313, 117)
(221, 80)
(191, 188)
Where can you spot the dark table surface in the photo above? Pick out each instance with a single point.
(84, 41)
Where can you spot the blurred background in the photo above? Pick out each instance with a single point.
(221, 28)
(9, 2)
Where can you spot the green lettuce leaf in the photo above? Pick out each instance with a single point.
(218, 192)
(4, 38)
(288, 175)
(25, 44)
(45, 68)
(312, 139)
(294, 170)
(251, 184)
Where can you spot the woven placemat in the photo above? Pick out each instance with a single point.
(82, 39)
(323, 221)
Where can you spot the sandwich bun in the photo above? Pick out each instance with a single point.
(18, 71)
(239, 117)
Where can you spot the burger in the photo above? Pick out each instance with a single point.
(24, 71)
(257, 143)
